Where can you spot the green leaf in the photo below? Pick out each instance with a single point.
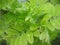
(36, 33)
(19, 40)
(30, 38)
(50, 26)
(34, 27)
(31, 17)
(27, 18)
(41, 2)
(23, 40)
(45, 19)
(12, 41)
(55, 23)
(57, 10)
(6, 3)
(55, 2)
(44, 36)
(50, 9)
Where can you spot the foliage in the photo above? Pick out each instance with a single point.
(31, 22)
